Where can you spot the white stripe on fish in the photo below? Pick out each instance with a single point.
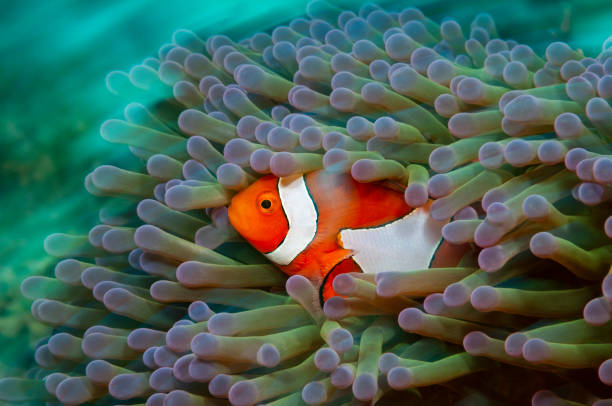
(302, 217)
(406, 244)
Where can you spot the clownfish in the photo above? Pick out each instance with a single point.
(323, 224)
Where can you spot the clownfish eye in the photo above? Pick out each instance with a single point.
(268, 203)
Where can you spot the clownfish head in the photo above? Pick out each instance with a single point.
(279, 217)
(257, 214)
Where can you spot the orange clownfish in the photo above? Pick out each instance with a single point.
(323, 224)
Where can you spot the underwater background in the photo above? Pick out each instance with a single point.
(55, 56)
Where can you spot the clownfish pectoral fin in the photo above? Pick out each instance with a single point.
(329, 260)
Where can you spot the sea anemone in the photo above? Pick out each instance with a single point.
(164, 304)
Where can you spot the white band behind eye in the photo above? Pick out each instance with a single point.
(302, 217)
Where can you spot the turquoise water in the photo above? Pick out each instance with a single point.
(55, 56)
